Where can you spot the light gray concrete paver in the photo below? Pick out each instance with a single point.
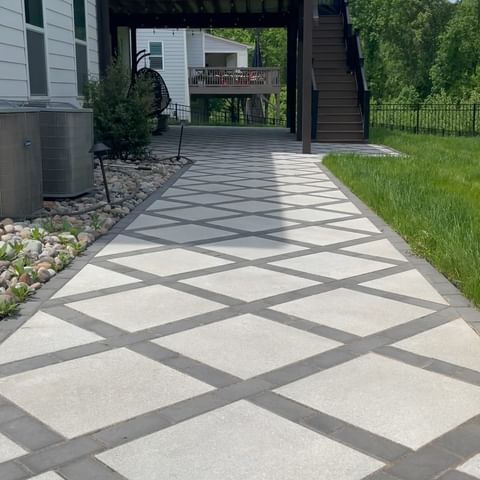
(98, 390)
(265, 446)
(405, 404)
(472, 466)
(9, 449)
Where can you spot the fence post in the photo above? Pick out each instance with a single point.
(417, 129)
(474, 119)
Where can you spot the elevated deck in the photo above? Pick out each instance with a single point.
(233, 81)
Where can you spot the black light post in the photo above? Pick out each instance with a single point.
(99, 150)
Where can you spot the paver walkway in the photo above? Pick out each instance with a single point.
(253, 321)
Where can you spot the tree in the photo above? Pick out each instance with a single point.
(457, 66)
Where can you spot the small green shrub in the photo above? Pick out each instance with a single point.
(21, 292)
(121, 111)
(37, 234)
(7, 308)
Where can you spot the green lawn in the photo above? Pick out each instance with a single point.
(431, 197)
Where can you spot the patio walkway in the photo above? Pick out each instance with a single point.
(254, 321)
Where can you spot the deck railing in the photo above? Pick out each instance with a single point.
(238, 78)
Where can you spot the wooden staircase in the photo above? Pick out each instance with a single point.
(339, 118)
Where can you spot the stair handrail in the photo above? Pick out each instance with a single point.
(356, 63)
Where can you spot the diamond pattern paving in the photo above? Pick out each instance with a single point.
(89, 386)
(252, 321)
(223, 343)
(265, 446)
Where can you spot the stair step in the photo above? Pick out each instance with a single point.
(339, 118)
(339, 126)
(350, 101)
(324, 110)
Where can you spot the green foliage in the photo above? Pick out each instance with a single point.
(8, 308)
(95, 221)
(37, 234)
(121, 111)
(457, 64)
(21, 292)
(431, 197)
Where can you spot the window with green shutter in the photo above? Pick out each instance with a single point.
(156, 55)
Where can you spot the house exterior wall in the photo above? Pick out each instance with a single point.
(219, 45)
(13, 54)
(175, 68)
(59, 50)
(195, 48)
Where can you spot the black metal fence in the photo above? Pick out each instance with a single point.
(183, 113)
(434, 119)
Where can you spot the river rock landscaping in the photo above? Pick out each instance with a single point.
(34, 250)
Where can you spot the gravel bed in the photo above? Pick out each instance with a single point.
(34, 250)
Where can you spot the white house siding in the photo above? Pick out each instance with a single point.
(92, 35)
(59, 45)
(13, 60)
(219, 45)
(174, 60)
(195, 50)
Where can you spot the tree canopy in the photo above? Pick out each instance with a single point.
(415, 50)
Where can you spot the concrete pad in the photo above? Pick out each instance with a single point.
(47, 476)
(262, 345)
(171, 262)
(405, 404)
(124, 244)
(378, 248)
(453, 342)
(92, 278)
(252, 183)
(238, 442)
(252, 248)
(410, 284)
(471, 467)
(252, 206)
(146, 221)
(198, 213)
(318, 235)
(204, 198)
(358, 224)
(89, 393)
(164, 205)
(310, 215)
(42, 334)
(9, 450)
(176, 192)
(250, 283)
(186, 233)
(351, 311)
(332, 265)
(254, 223)
(301, 200)
(145, 307)
(347, 207)
(252, 192)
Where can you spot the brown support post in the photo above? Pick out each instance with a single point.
(292, 76)
(307, 76)
(104, 37)
(299, 74)
(133, 43)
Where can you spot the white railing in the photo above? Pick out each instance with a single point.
(234, 77)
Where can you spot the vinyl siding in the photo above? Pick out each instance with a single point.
(195, 51)
(59, 44)
(92, 36)
(219, 45)
(174, 60)
(13, 69)
(60, 50)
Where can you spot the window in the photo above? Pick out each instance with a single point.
(156, 55)
(34, 13)
(80, 21)
(37, 62)
(80, 45)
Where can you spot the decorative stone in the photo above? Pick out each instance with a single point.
(43, 275)
(33, 246)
